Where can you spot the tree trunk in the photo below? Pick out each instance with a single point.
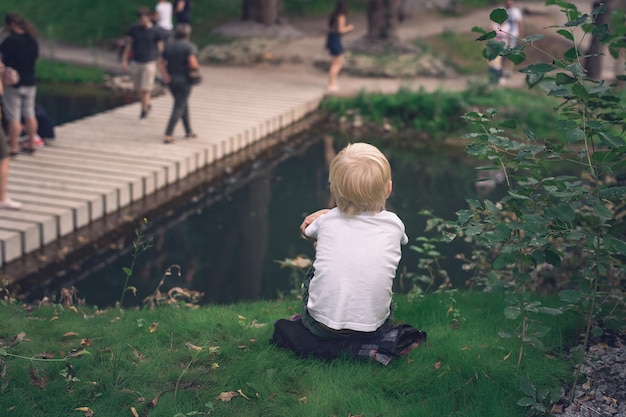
(593, 63)
(383, 17)
(268, 12)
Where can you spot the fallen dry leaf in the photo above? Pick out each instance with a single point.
(134, 411)
(74, 309)
(303, 400)
(227, 396)
(191, 346)
(466, 347)
(557, 409)
(70, 334)
(506, 358)
(587, 385)
(437, 365)
(55, 316)
(242, 394)
(17, 339)
(86, 342)
(213, 349)
(240, 317)
(154, 327)
(37, 380)
(154, 402)
(88, 411)
(450, 310)
(256, 325)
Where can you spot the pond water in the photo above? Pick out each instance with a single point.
(229, 249)
(227, 241)
(65, 103)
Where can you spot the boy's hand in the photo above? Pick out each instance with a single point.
(310, 219)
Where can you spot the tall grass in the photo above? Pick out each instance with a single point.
(464, 371)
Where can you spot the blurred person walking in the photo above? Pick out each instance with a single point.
(164, 11)
(180, 56)
(336, 29)
(19, 52)
(5, 202)
(146, 44)
(183, 11)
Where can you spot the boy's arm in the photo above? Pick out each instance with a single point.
(310, 219)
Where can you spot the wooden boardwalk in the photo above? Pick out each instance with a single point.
(100, 164)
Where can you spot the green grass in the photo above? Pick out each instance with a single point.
(66, 73)
(438, 115)
(469, 371)
(461, 51)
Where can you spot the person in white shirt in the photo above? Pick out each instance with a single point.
(348, 290)
(164, 11)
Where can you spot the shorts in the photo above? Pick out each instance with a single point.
(333, 44)
(4, 148)
(143, 74)
(19, 103)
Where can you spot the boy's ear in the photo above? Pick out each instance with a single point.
(389, 188)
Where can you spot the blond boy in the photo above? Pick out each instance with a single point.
(349, 288)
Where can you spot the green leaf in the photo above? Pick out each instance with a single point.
(509, 124)
(527, 387)
(3, 352)
(552, 257)
(498, 16)
(613, 193)
(566, 34)
(533, 79)
(574, 135)
(503, 260)
(537, 69)
(517, 195)
(569, 296)
(506, 333)
(571, 54)
(512, 313)
(525, 402)
(610, 139)
(596, 331)
(532, 38)
(601, 211)
(580, 92)
(127, 271)
(577, 22)
(564, 79)
(616, 245)
(550, 311)
(487, 36)
(493, 48)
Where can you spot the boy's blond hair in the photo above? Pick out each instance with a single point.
(359, 178)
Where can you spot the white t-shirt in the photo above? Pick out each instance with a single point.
(512, 23)
(355, 263)
(164, 9)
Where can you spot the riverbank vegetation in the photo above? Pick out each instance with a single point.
(55, 71)
(68, 359)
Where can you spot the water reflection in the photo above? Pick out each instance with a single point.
(228, 249)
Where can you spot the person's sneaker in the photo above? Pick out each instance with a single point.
(39, 142)
(10, 204)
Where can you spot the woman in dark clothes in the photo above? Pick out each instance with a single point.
(179, 56)
(336, 28)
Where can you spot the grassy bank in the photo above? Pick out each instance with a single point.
(178, 361)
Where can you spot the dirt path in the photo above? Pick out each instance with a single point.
(300, 53)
